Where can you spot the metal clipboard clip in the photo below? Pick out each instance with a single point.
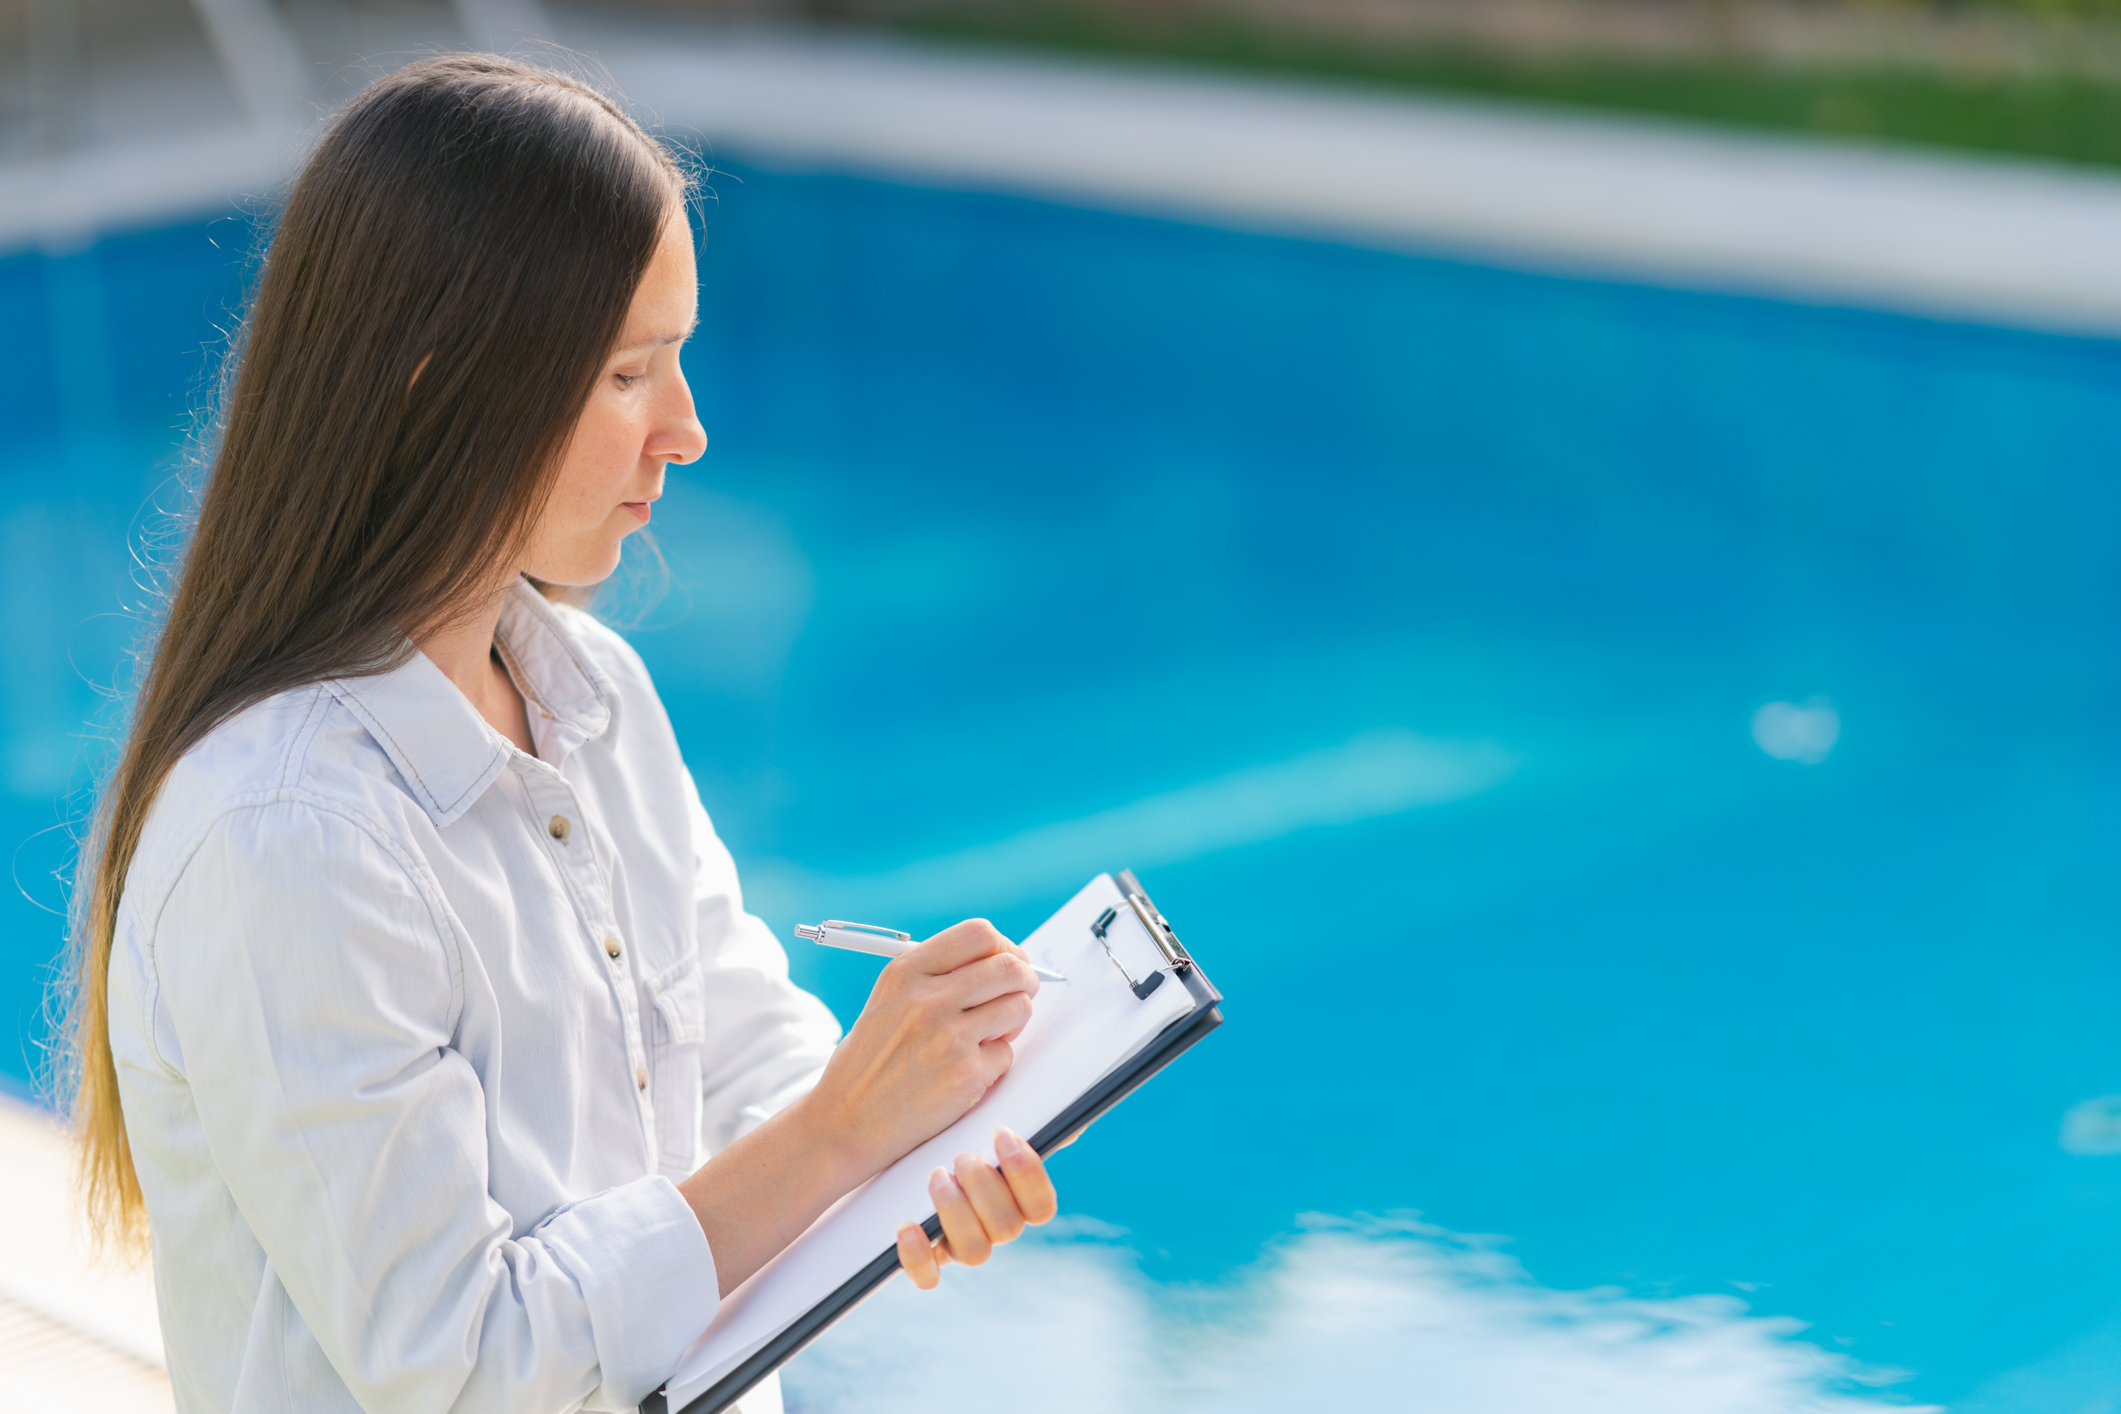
(1159, 932)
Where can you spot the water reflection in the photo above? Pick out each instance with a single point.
(1789, 732)
(1377, 774)
(1368, 1314)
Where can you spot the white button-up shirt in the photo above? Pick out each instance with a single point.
(414, 1030)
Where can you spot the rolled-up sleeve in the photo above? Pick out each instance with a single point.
(314, 1012)
(767, 1039)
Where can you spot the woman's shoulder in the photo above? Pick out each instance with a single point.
(257, 750)
(301, 750)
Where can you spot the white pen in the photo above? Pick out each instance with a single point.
(883, 942)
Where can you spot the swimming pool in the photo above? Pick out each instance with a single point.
(1404, 623)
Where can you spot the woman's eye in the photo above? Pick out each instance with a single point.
(627, 380)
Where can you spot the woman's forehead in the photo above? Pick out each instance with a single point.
(665, 305)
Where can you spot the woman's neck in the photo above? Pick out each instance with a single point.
(464, 650)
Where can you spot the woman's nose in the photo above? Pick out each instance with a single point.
(678, 435)
(684, 440)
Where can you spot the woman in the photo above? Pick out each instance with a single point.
(413, 979)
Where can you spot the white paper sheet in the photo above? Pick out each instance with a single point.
(1079, 1031)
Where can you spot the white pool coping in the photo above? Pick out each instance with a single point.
(2027, 244)
(75, 1332)
(2017, 243)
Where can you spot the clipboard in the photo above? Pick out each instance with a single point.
(1170, 965)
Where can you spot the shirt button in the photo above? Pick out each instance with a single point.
(611, 946)
(640, 1077)
(559, 828)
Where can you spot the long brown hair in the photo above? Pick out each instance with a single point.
(450, 272)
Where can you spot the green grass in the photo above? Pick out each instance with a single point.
(2071, 119)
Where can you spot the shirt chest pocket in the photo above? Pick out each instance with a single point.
(679, 997)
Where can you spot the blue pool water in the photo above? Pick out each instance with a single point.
(1016, 514)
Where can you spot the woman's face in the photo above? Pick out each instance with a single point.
(637, 420)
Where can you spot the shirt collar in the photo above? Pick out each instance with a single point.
(570, 699)
(444, 749)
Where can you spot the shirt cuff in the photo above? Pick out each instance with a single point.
(647, 1276)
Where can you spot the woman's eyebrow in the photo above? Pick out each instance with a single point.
(656, 341)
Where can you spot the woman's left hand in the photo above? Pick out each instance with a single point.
(981, 1207)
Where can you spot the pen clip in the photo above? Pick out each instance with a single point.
(815, 932)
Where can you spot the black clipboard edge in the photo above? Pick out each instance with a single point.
(1170, 1043)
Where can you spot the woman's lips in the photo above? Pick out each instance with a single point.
(640, 509)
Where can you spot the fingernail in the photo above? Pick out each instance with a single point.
(915, 1226)
(940, 1182)
(1007, 1145)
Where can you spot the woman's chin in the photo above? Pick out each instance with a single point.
(585, 572)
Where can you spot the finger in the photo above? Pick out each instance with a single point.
(992, 1202)
(1072, 1137)
(1026, 1174)
(1002, 1019)
(917, 1255)
(968, 1240)
(957, 945)
(990, 977)
(995, 1058)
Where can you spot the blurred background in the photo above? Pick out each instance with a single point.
(1572, 543)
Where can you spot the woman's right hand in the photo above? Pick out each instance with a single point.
(933, 1039)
